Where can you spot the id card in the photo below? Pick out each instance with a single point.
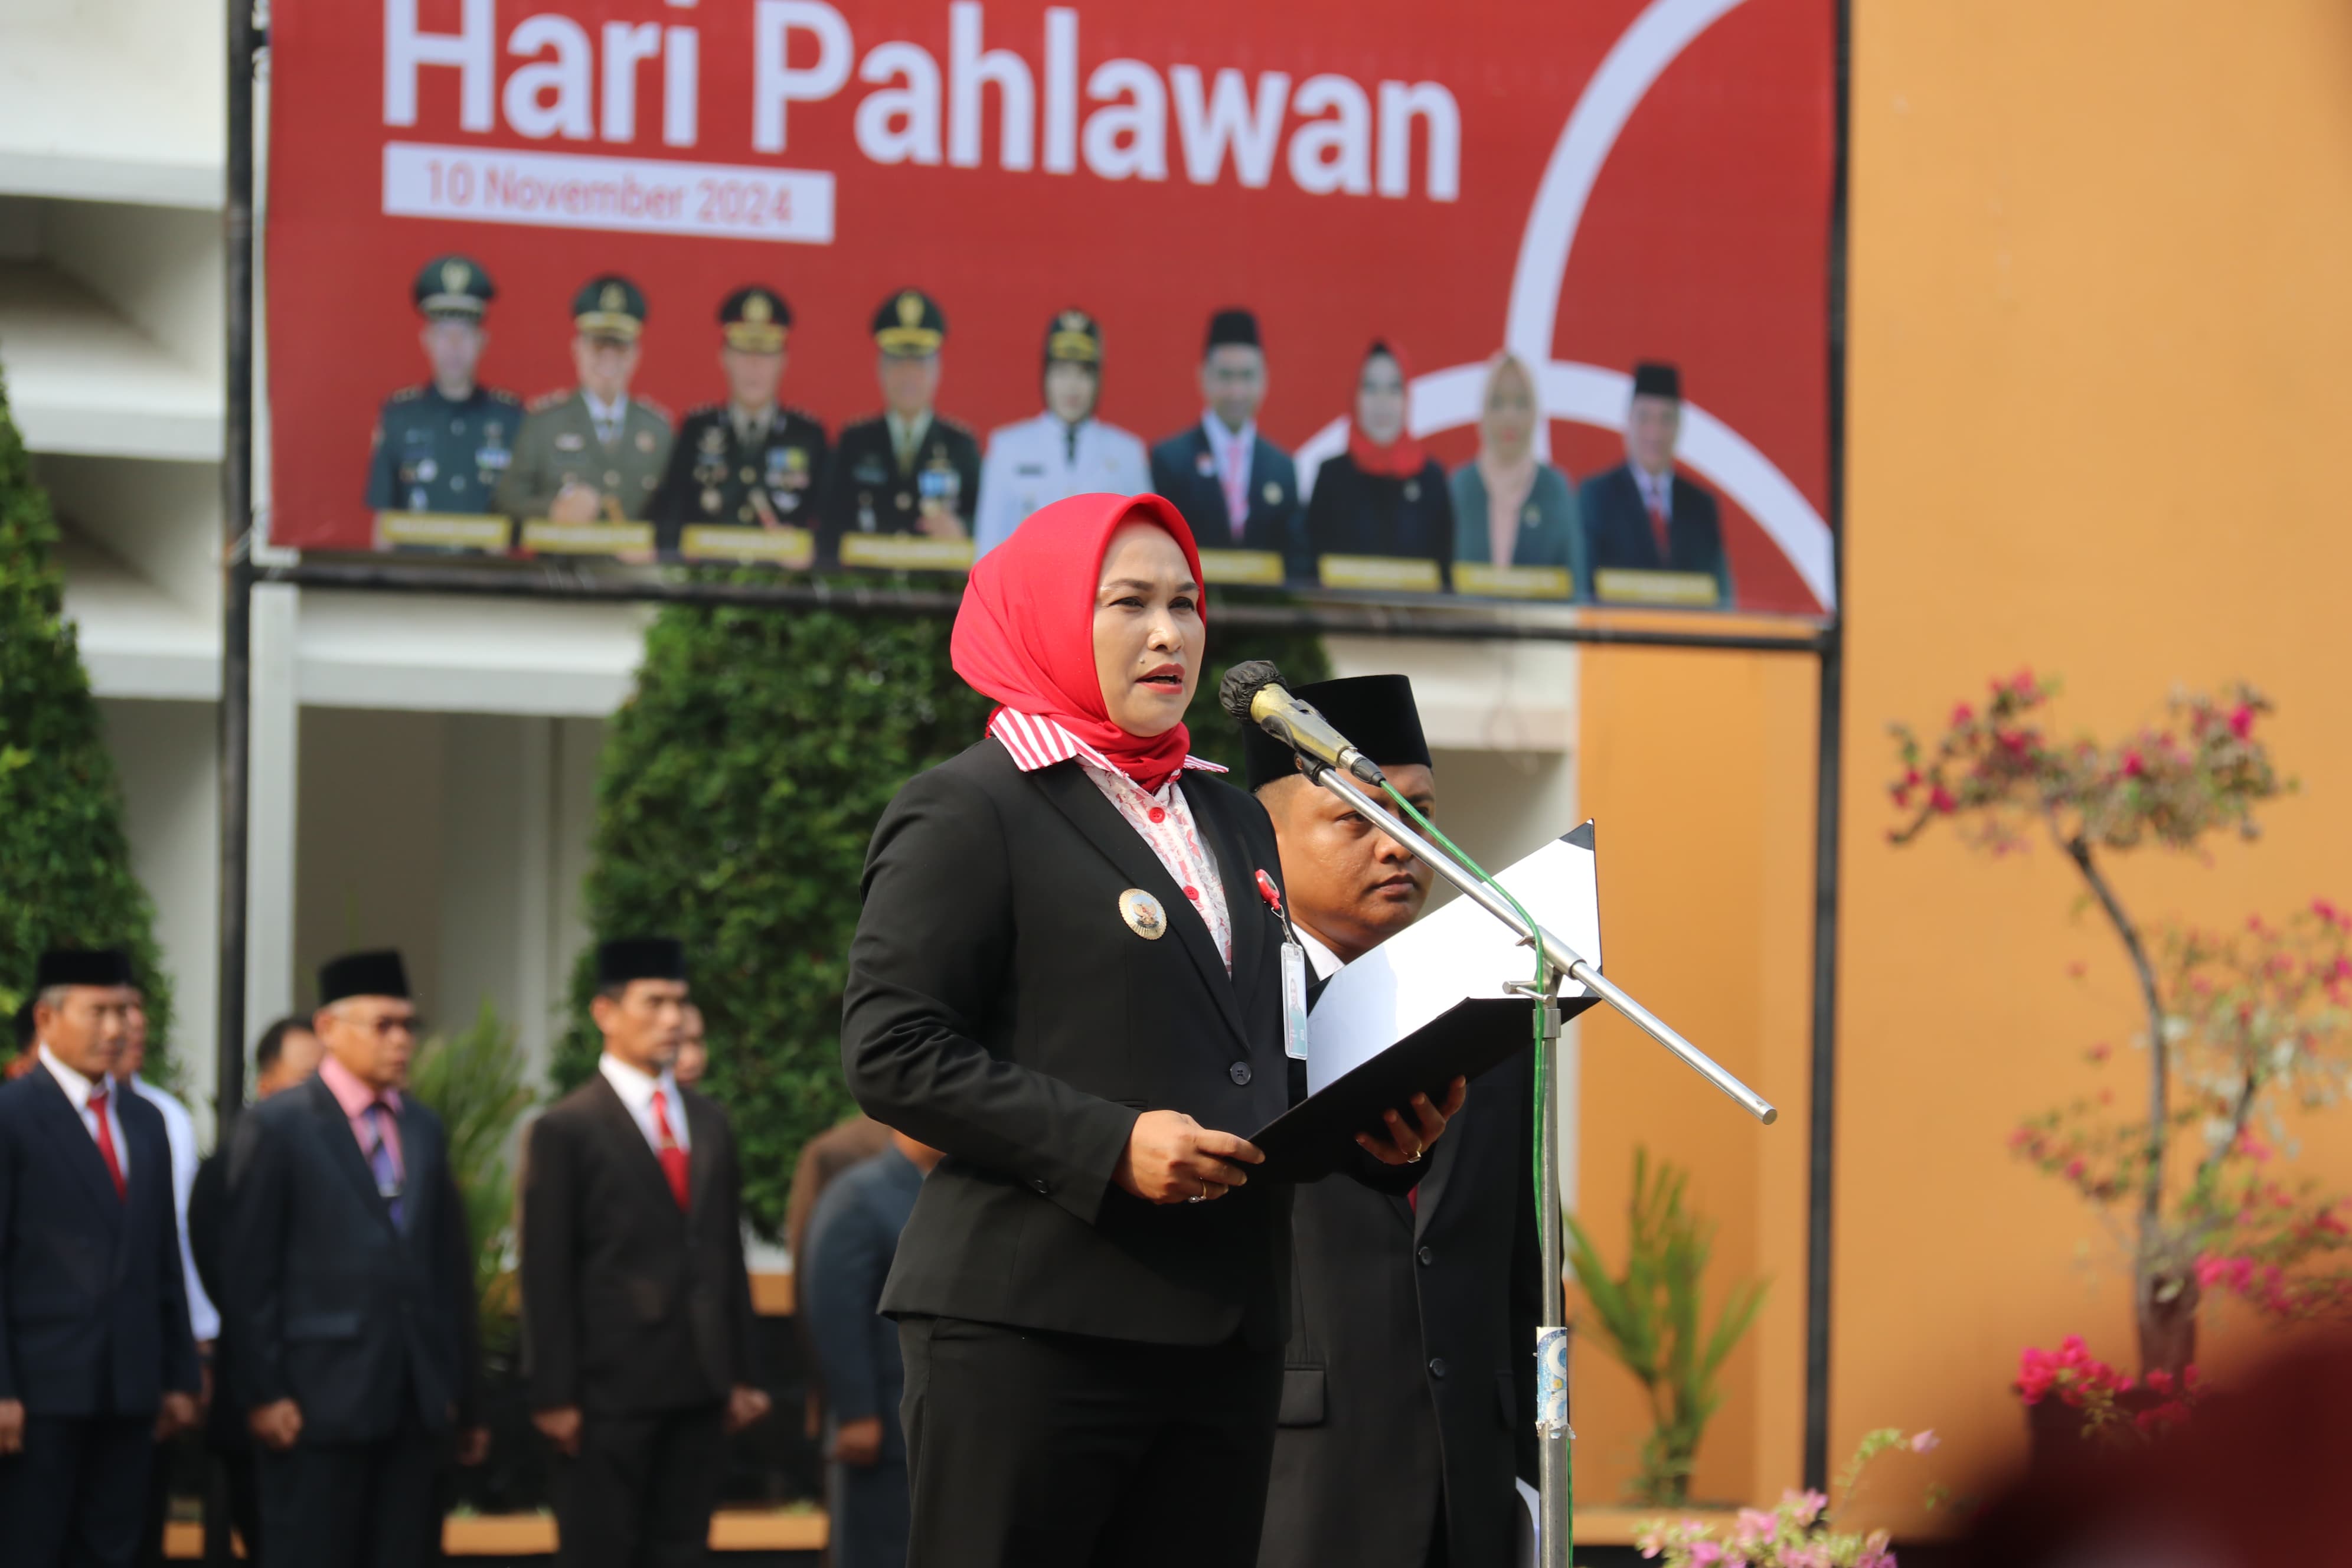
(1294, 1001)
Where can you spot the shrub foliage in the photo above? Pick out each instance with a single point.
(737, 793)
(65, 862)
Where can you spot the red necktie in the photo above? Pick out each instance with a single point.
(106, 1141)
(672, 1157)
(1664, 532)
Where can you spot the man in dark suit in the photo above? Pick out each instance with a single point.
(97, 1363)
(1641, 516)
(852, 1238)
(1238, 489)
(909, 469)
(350, 1315)
(287, 1055)
(1409, 1393)
(636, 1305)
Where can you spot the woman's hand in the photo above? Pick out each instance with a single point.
(1402, 1144)
(1172, 1159)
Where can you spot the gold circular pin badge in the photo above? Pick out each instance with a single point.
(1143, 914)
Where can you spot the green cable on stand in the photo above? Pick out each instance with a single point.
(1543, 1155)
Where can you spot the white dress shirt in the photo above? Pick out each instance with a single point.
(1657, 494)
(1233, 452)
(636, 1088)
(78, 1090)
(180, 1137)
(1319, 958)
(1035, 463)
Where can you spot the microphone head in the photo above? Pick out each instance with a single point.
(1242, 684)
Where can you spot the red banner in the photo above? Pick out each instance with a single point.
(1593, 187)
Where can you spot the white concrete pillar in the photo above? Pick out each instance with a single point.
(275, 787)
(496, 882)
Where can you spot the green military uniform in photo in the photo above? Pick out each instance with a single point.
(620, 453)
(888, 475)
(737, 470)
(435, 453)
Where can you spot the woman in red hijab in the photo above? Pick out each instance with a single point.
(1384, 495)
(1066, 978)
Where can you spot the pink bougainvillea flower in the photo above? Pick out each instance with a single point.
(1925, 1442)
(2241, 721)
(2133, 764)
(1941, 799)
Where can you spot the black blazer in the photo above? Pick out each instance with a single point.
(224, 1425)
(999, 1008)
(629, 1305)
(1184, 470)
(93, 1307)
(1617, 532)
(1357, 513)
(1410, 1374)
(330, 1304)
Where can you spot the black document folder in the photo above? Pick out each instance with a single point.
(1317, 1135)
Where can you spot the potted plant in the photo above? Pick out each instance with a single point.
(1647, 1317)
(2232, 1026)
(1801, 1532)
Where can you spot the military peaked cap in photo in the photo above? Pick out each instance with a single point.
(627, 958)
(375, 973)
(1074, 338)
(609, 307)
(1651, 379)
(454, 285)
(1233, 326)
(754, 320)
(909, 323)
(81, 966)
(1375, 711)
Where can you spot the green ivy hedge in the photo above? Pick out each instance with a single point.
(737, 793)
(65, 862)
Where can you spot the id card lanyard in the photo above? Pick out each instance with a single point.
(1293, 974)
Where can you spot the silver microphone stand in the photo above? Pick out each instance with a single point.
(1557, 1523)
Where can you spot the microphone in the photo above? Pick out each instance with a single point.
(1252, 693)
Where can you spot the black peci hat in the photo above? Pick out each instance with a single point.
(1375, 711)
(1232, 326)
(375, 973)
(1651, 379)
(627, 958)
(81, 966)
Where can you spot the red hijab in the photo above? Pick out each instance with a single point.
(1026, 633)
(1402, 458)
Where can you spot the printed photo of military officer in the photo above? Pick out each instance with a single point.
(1063, 451)
(593, 454)
(442, 446)
(748, 462)
(907, 469)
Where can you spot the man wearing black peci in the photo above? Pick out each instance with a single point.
(1238, 489)
(1408, 1397)
(350, 1318)
(97, 1363)
(636, 1307)
(1643, 516)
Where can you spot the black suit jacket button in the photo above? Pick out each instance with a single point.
(1427, 1257)
(1437, 1366)
(1240, 1072)
(1043, 1187)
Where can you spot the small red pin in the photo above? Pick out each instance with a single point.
(1269, 892)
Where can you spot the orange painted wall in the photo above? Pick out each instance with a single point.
(2099, 334)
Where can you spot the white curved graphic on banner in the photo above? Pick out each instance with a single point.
(1590, 395)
